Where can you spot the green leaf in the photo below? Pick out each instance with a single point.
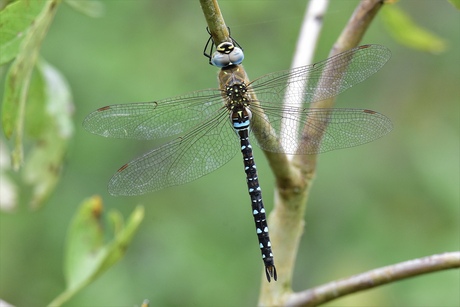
(87, 256)
(20, 72)
(17, 19)
(35, 113)
(455, 3)
(48, 120)
(59, 103)
(91, 8)
(43, 168)
(408, 33)
(85, 245)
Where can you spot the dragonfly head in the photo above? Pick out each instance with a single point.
(227, 54)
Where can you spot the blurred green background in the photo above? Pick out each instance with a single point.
(388, 201)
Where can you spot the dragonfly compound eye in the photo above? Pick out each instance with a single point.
(227, 54)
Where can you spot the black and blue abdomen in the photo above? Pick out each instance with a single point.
(240, 117)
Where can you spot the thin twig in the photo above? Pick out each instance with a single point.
(374, 278)
(348, 39)
(309, 33)
(305, 49)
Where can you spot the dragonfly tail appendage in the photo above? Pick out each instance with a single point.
(270, 271)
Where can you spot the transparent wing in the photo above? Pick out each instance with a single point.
(321, 80)
(325, 129)
(204, 149)
(155, 119)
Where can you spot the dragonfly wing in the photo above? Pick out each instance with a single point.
(325, 129)
(157, 119)
(321, 80)
(206, 148)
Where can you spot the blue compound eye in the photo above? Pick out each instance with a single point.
(227, 54)
(219, 59)
(236, 56)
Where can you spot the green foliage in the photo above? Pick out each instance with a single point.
(455, 3)
(87, 256)
(37, 102)
(198, 240)
(408, 33)
(17, 20)
(22, 41)
(48, 122)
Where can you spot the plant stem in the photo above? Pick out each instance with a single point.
(215, 21)
(374, 278)
(287, 218)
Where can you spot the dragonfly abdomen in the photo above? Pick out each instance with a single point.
(241, 120)
(257, 204)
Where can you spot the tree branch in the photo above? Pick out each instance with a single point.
(215, 21)
(374, 278)
(294, 178)
(287, 218)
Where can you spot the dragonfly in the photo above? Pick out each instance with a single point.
(210, 123)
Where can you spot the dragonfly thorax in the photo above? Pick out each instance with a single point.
(237, 94)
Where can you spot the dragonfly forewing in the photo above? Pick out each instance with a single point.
(158, 119)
